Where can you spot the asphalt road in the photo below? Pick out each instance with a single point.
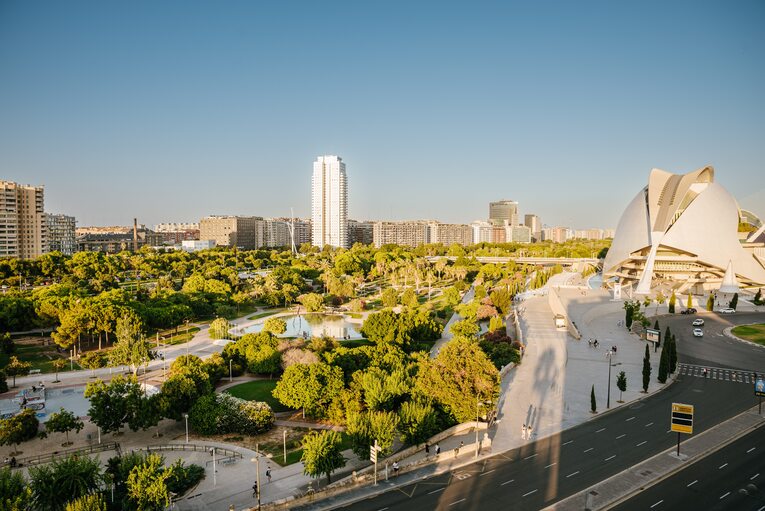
(551, 469)
(714, 483)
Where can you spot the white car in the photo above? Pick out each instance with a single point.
(698, 322)
(698, 332)
(727, 310)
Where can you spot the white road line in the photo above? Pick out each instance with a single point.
(724, 495)
(610, 457)
(722, 466)
(641, 443)
(631, 418)
(458, 501)
(507, 482)
(750, 450)
(691, 484)
(755, 476)
(601, 429)
(436, 491)
(621, 436)
(525, 494)
(551, 465)
(657, 503)
(569, 442)
(383, 509)
(588, 450)
(573, 474)
(528, 457)
(487, 472)
(649, 424)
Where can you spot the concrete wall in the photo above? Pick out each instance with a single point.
(557, 306)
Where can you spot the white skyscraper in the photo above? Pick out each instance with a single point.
(329, 211)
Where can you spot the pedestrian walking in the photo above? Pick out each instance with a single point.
(456, 451)
(438, 450)
(255, 489)
(268, 474)
(528, 432)
(462, 444)
(523, 432)
(427, 449)
(395, 469)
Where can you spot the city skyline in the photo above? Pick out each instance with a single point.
(123, 112)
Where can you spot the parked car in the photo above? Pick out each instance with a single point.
(698, 322)
(726, 310)
(691, 310)
(698, 332)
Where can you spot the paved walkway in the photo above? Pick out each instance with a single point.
(446, 336)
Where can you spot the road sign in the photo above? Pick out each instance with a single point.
(682, 418)
(652, 335)
(372, 454)
(759, 386)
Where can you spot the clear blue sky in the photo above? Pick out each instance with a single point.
(170, 111)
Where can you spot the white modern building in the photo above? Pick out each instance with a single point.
(329, 209)
(682, 231)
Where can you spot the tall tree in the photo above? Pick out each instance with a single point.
(131, 349)
(664, 363)
(672, 302)
(17, 367)
(593, 404)
(673, 355)
(15, 495)
(64, 422)
(276, 326)
(321, 454)
(58, 364)
(646, 369)
(147, 485)
(64, 480)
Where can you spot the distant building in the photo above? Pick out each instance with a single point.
(519, 234)
(176, 226)
(361, 232)
(449, 234)
(197, 245)
(245, 232)
(115, 239)
(329, 204)
(503, 212)
(23, 232)
(532, 222)
(409, 234)
(61, 233)
(276, 233)
(588, 234)
(483, 232)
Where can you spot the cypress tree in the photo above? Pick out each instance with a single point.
(656, 325)
(646, 369)
(672, 300)
(663, 364)
(593, 405)
(667, 333)
(628, 317)
(710, 302)
(734, 302)
(673, 355)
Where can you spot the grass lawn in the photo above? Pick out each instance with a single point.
(294, 452)
(258, 390)
(41, 357)
(181, 337)
(754, 333)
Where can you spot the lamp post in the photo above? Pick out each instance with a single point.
(478, 403)
(230, 372)
(215, 468)
(284, 439)
(186, 417)
(256, 460)
(610, 354)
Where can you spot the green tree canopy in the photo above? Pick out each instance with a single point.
(64, 480)
(64, 422)
(321, 454)
(310, 387)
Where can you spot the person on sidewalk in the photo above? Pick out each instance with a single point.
(523, 432)
(427, 449)
(268, 474)
(528, 432)
(395, 469)
(438, 450)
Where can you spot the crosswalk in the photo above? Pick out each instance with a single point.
(716, 373)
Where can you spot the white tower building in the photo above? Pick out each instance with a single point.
(329, 211)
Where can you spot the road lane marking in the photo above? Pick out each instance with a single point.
(724, 495)
(657, 503)
(755, 476)
(750, 450)
(551, 465)
(691, 484)
(610, 457)
(573, 474)
(588, 450)
(487, 472)
(649, 424)
(569, 442)
(621, 436)
(525, 494)
(722, 466)
(641, 443)
(527, 457)
(601, 429)
(436, 491)
(507, 482)
(631, 418)
(383, 509)
(458, 501)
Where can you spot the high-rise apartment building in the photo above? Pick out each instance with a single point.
(245, 232)
(483, 232)
(22, 221)
(449, 234)
(519, 234)
(360, 232)
(61, 233)
(409, 234)
(503, 212)
(533, 223)
(329, 208)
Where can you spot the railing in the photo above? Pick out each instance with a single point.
(48, 457)
(228, 455)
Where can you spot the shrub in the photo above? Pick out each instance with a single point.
(225, 414)
(183, 477)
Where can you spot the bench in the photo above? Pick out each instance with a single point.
(35, 371)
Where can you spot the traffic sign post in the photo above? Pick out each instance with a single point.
(373, 449)
(682, 421)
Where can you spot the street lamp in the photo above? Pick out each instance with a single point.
(256, 460)
(478, 403)
(610, 354)
(230, 372)
(186, 417)
(215, 468)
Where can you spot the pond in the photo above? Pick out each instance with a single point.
(315, 325)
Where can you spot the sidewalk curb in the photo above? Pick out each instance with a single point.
(728, 332)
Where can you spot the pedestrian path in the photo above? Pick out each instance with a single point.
(716, 373)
